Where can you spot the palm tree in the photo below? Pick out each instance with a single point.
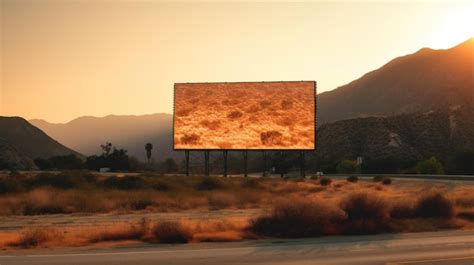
(148, 148)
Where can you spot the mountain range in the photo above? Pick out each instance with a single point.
(86, 134)
(428, 93)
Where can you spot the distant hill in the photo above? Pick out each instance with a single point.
(21, 143)
(410, 136)
(130, 132)
(426, 80)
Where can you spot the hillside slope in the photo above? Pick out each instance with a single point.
(410, 136)
(21, 143)
(423, 81)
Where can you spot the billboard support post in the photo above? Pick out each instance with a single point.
(245, 162)
(206, 163)
(264, 163)
(225, 163)
(186, 154)
(302, 164)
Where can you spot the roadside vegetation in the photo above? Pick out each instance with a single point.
(287, 208)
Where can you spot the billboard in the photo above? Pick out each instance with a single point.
(245, 116)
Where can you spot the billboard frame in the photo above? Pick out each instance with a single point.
(247, 149)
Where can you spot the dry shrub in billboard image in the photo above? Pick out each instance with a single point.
(263, 115)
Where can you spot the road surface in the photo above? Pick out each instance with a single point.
(449, 247)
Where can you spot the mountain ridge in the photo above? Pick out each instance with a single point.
(21, 143)
(411, 83)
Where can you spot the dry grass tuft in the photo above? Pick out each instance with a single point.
(434, 205)
(402, 209)
(173, 232)
(366, 214)
(221, 201)
(124, 232)
(298, 218)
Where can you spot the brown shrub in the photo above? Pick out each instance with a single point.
(286, 104)
(173, 232)
(265, 103)
(387, 181)
(298, 218)
(210, 183)
(183, 112)
(271, 137)
(324, 181)
(352, 178)
(221, 200)
(234, 115)
(213, 125)
(434, 205)
(253, 109)
(366, 214)
(402, 210)
(190, 139)
(378, 178)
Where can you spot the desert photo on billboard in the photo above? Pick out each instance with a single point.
(245, 115)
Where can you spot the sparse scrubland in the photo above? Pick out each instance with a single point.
(269, 115)
(268, 207)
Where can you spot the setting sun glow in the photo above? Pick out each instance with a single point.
(65, 59)
(455, 26)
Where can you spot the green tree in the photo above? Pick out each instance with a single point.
(148, 148)
(59, 162)
(430, 166)
(113, 158)
(106, 148)
(347, 167)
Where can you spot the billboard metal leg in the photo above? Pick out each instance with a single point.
(264, 163)
(225, 163)
(302, 164)
(245, 163)
(186, 154)
(206, 163)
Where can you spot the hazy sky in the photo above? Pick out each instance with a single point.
(64, 59)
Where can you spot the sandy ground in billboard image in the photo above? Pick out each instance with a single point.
(270, 115)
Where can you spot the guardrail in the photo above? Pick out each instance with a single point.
(411, 176)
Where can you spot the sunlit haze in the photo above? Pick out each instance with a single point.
(65, 59)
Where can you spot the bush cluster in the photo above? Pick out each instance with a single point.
(358, 213)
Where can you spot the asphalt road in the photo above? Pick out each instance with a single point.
(450, 247)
